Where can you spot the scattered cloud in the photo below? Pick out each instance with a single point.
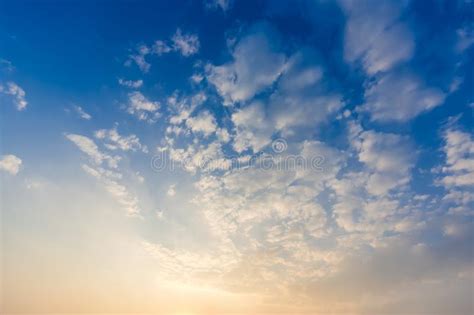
(253, 129)
(89, 147)
(142, 107)
(255, 66)
(171, 190)
(160, 47)
(82, 113)
(130, 83)
(375, 36)
(204, 123)
(400, 97)
(18, 94)
(186, 44)
(114, 141)
(10, 163)
(459, 151)
(139, 58)
(389, 157)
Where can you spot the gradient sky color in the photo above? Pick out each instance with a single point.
(237, 157)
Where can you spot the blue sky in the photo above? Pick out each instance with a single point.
(93, 93)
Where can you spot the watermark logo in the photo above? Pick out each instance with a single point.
(279, 145)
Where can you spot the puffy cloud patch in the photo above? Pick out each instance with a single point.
(374, 35)
(389, 157)
(204, 123)
(400, 97)
(115, 141)
(18, 94)
(142, 107)
(255, 66)
(253, 129)
(139, 58)
(186, 44)
(10, 163)
(459, 151)
(302, 97)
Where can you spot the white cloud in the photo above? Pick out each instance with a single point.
(183, 107)
(10, 164)
(204, 123)
(142, 107)
(374, 35)
(11, 88)
(82, 113)
(115, 141)
(89, 147)
(253, 129)
(459, 151)
(139, 58)
(199, 157)
(389, 157)
(254, 67)
(223, 135)
(400, 97)
(160, 47)
(186, 44)
(197, 78)
(171, 190)
(130, 83)
(301, 98)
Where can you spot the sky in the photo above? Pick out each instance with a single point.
(237, 157)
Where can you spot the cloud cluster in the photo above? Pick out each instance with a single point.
(183, 43)
(142, 107)
(255, 66)
(114, 141)
(358, 232)
(377, 38)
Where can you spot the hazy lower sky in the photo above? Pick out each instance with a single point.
(237, 157)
